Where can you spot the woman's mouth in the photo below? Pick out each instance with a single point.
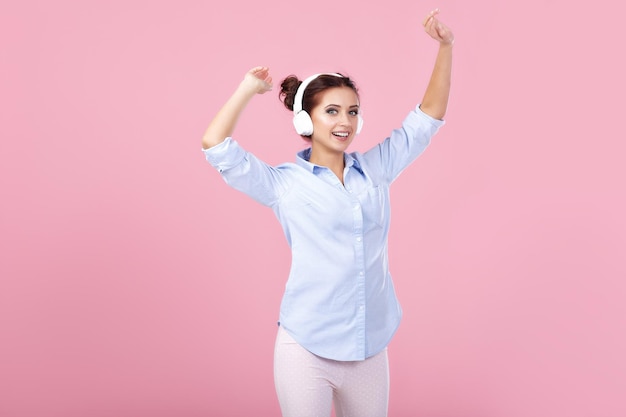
(341, 135)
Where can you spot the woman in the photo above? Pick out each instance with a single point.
(339, 310)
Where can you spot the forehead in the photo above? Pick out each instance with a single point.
(344, 96)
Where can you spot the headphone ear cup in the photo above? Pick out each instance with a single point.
(303, 123)
(359, 125)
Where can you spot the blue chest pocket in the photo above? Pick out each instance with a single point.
(373, 203)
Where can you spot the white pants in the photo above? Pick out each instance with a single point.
(307, 385)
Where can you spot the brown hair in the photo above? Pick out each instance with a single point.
(290, 85)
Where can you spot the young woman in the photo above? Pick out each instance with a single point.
(339, 310)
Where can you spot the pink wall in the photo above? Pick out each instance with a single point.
(134, 282)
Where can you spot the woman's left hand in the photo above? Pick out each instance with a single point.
(437, 30)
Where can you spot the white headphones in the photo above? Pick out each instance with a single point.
(301, 119)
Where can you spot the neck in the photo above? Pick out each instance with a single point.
(333, 161)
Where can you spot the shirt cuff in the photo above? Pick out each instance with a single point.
(225, 155)
(436, 122)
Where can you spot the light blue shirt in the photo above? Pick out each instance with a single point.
(339, 301)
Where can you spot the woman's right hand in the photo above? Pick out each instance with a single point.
(258, 79)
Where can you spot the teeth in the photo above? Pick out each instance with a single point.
(342, 134)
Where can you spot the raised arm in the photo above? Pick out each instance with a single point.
(256, 81)
(435, 101)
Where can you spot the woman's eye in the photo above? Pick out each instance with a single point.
(354, 112)
(331, 111)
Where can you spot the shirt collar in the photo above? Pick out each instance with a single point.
(302, 159)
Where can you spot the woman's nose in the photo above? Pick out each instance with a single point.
(344, 118)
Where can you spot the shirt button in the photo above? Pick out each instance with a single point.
(356, 207)
(361, 273)
(358, 239)
(361, 308)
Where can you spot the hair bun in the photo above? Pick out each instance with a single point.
(288, 89)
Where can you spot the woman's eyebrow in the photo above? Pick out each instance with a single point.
(338, 105)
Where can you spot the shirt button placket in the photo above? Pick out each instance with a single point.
(360, 266)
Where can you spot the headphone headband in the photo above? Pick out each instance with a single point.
(297, 100)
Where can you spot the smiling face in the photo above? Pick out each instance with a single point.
(335, 120)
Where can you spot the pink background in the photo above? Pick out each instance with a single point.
(134, 282)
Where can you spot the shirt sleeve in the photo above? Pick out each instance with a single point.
(246, 173)
(403, 146)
